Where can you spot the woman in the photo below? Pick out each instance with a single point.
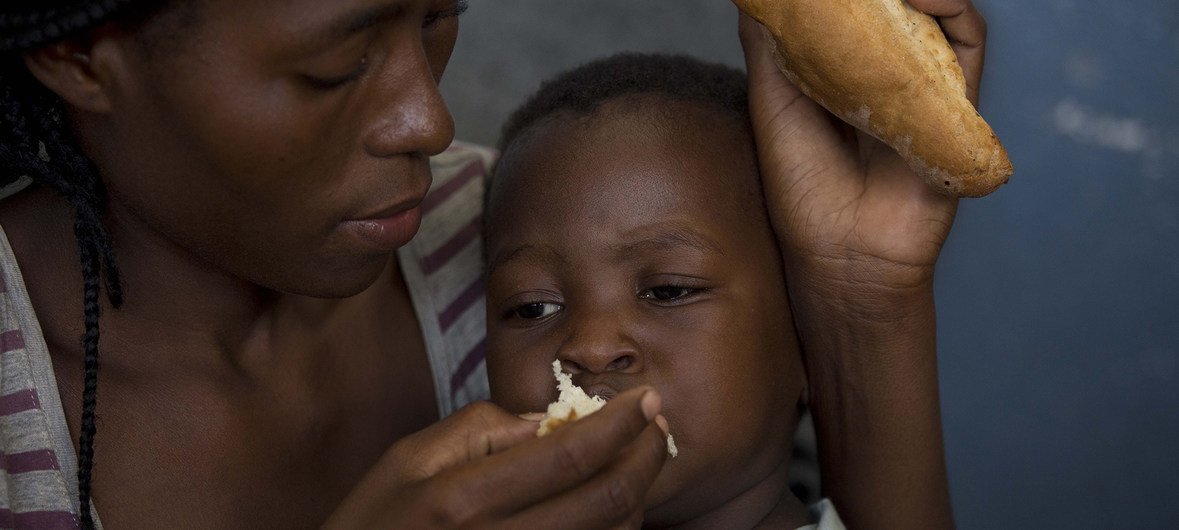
(246, 169)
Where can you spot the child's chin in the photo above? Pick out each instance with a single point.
(662, 506)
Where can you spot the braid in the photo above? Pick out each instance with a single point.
(92, 310)
(33, 26)
(37, 142)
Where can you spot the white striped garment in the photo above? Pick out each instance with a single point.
(442, 266)
(34, 489)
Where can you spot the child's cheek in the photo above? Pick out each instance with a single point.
(520, 386)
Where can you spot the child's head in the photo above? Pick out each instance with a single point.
(626, 237)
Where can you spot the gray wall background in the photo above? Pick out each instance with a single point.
(1059, 325)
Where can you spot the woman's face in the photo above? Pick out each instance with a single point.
(286, 143)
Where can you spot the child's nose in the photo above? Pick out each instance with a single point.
(599, 349)
(597, 364)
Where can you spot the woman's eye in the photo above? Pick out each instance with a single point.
(537, 310)
(330, 83)
(667, 293)
(435, 16)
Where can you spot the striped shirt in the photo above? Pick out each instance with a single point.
(442, 266)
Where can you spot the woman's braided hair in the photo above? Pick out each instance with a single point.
(37, 141)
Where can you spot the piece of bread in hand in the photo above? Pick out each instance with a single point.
(573, 404)
(887, 69)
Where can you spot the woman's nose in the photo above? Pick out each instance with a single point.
(408, 115)
(597, 347)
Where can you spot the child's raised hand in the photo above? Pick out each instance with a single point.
(860, 235)
(844, 203)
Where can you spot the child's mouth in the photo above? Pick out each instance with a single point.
(601, 390)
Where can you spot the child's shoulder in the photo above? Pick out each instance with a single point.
(825, 516)
(788, 514)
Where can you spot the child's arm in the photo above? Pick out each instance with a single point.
(860, 234)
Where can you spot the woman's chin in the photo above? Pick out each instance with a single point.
(335, 280)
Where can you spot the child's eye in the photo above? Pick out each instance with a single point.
(537, 310)
(668, 293)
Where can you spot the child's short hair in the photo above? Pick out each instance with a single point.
(579, 92)
(676, 77)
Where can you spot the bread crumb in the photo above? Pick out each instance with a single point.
(573, 403)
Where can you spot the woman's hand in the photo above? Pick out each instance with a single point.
(860, 235)
(843, 202)
(484, 467)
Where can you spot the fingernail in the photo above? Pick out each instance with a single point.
(651, 404)
(533, 416)
(662, 423)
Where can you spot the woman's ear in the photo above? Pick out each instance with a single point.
(77, 70)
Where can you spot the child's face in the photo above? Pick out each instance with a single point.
(634, 254)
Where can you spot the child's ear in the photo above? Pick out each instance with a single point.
(78, 70)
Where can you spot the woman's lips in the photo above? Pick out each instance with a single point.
(387, 233)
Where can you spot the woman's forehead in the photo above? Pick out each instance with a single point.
(308, 22)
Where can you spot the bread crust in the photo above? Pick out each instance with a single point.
(888, 70)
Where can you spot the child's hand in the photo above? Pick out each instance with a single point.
(846, 206)
(860, 234)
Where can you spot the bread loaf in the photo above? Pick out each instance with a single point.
(888, 70)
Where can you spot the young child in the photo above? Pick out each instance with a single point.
(627, 238)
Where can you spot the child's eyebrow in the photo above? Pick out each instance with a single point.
(668, 240)
(533, 252)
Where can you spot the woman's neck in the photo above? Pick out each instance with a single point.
(171, 295)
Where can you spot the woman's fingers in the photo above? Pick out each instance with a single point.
(477, 430)
(483, 466)
(613, 498)
(540, 470)
(966, 30)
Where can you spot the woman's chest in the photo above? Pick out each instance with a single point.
(216, 450)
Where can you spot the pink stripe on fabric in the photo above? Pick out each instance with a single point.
(39, 460)
(39, 520)
(456, 147)
(439, 258)
(467, 366)
(447, 190)
(11, 340)
(465, 300)
(19, 401)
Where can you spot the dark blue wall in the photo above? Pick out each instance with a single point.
(1060, 294)
(1059, 330)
